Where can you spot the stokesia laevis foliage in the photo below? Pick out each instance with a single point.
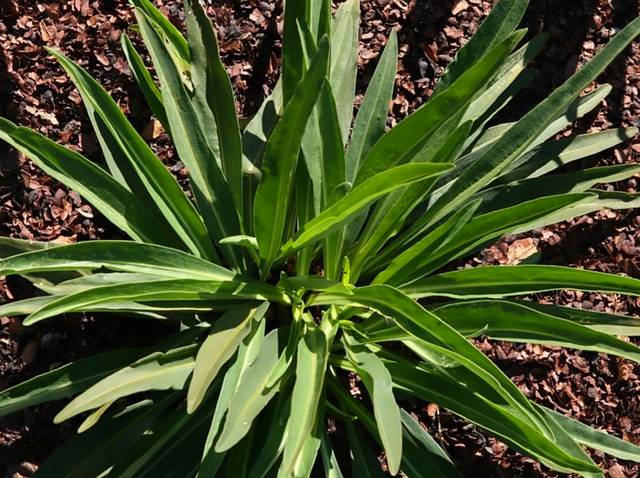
(311, 249)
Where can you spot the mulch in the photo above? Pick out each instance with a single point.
(599, 390)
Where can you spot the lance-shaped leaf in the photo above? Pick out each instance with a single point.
(431, 330)
(273, 436)
(170, 447)
(576, 182)
(596, 439)
(421, 446)
(160, 184)
(354, 202)
(344, 65)
(173, 290)
(307, 394)
(504, 281)
(247, 353)
(612, 324)
(386, 411)
(65, 380)
(281, 156)
(293, 61)
(434, 386)
(521, 135)
(158, 371)
(118, 205)
(213, 91)
(398, 271)
(406, 139)
(422, 457)
(226, 334)
(554, 154)
(179, 45)
(478, 232)
(515, 322)
(145, 82)
(364, 463)
(503, 19)
(251, 393)
(391, 213)
(213, 195)
(122, 256)
(371, 119)
(96, 451)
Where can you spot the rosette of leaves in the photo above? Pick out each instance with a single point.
(312, 258)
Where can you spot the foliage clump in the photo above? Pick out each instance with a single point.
(312, 251)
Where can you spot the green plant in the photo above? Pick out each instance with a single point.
(303, 255)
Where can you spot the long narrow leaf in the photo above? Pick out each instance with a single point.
(160, 184)
(212, 193)
(504, 281)
(281, 156)
(212, 89)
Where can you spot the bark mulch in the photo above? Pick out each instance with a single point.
(599, 390)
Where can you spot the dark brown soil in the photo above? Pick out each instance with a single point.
(598, 390)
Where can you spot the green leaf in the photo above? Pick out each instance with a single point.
(307, 394)
(364, 463)
(514, 322)
(160, 184)
(117, 204)
(612, 324)
(525, 190)
(211, 191)
(168, 30)
(94, 452)
(224, 338)
(10, 246)
(378, 382)
(213, 91)
(501, 22)
(521, 135)
(598, 440)
(498, 94)
(122, 256)
(324, 157)
(390, 214)
(402, 143)
(358, 199)
(329, 459)
(371, 120)
(281, 156)
(259, 129)
(174, 290)
(555, 154)
(247, 353)
(273, 436)
(251, 394)
(405, 265)
(171, 447)
(437, 335)
(66, 380)
(293, 62)
(145, 82)
(504, 281)
(433, 385)
(323, 150)
(421, 456)
(24, 306)
(344, 66)
(158, 371)
(480, 231)
(308, 456)
(421, 449)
